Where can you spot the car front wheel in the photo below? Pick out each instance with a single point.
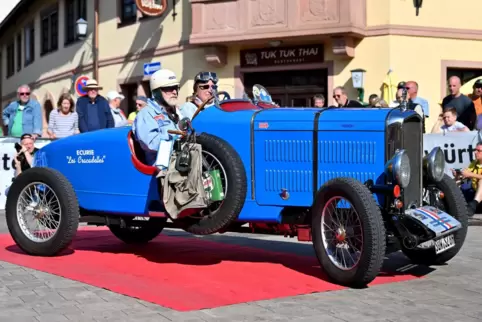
(348, 232)
(42, 212)
(453, 203)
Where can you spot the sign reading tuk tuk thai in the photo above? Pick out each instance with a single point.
(151, 7)
(282, 56)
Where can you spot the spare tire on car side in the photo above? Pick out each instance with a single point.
(226, 212)
(48, 197)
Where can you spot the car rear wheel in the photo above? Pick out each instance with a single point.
(219, 155)
(139, 231)
(348, 232)
(42, 212)
(455, 205)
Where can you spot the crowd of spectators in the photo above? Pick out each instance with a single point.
(89, 113)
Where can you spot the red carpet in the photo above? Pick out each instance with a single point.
(182, 273)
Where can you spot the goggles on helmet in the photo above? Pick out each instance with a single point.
(205, 77)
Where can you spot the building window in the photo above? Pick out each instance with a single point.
(128, 13)
(74, 10)
(29, 45)
(49, 31)
(19, 52)
(10, 59)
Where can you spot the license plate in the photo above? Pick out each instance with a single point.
(444, 243)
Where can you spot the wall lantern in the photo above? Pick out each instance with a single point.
(417, 4)
(81, 28)
(358, 80)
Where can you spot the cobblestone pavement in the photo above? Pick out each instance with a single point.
(449, 293)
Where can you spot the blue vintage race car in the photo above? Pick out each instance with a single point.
(352, 181)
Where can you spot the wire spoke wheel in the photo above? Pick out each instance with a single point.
(218, 155)
(38, 212)
(342, 233)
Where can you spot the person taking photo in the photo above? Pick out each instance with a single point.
(25, 151)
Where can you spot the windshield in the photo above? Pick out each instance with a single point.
(260, 94)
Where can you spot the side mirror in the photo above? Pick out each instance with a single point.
(184, 124)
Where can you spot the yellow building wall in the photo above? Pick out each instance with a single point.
(434, 13)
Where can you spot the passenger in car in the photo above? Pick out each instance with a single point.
(204, 83)
(153, 121)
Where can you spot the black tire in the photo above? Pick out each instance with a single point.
(373, 232)
(235, 195)
(456, 206)
(141, 234)
(69, 211)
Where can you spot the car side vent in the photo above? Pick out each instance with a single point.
(347, 152)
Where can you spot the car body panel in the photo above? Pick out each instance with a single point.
(274, 144)
(350, 143)
(98, 165)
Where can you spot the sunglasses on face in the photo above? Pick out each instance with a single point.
(24, 93)
(171, 89)
(207, 86)
(336, 96)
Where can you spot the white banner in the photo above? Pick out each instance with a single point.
(458, 148)
(7, 153)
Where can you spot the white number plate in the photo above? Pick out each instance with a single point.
(444, 243)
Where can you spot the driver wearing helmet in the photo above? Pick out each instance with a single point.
(158, 116)
(204, 82)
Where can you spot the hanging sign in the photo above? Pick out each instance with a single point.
(305, 54)
(151, 7)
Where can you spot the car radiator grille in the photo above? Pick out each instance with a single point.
(412, 143)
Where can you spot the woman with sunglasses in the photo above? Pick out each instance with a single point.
(204, 83)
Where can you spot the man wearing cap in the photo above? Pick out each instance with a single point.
(476, 96)
(93, 109)
(115, 98)
(204, 83)
(153, 121)
(141, 102)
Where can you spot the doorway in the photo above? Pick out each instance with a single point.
(291, 88)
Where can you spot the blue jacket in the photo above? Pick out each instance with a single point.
(150, 128)
(94, 116)
(31, 120)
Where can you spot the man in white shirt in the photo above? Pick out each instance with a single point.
(450, 122)
(115, 100)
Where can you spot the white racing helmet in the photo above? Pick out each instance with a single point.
(163, 78)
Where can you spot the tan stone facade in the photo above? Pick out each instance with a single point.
(196, 35)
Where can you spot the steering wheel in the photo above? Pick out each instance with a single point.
(225, 95)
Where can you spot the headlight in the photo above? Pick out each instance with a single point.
(434, 164)
(399, 168)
